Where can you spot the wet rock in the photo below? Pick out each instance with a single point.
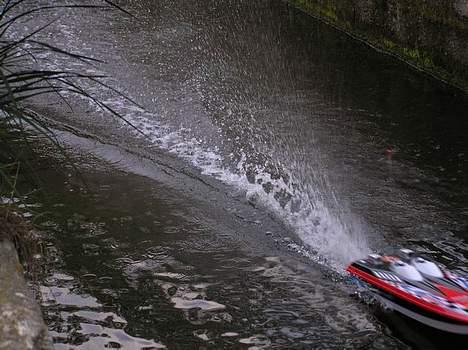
(21, 323)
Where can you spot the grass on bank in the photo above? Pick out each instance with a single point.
(22, 77)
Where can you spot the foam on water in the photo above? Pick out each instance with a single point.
(334, 237)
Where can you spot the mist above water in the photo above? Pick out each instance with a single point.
(249, 130)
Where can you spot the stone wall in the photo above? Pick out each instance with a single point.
(21, 323)
(429, 34)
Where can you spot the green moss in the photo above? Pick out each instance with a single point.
(419, 58)
(388, 44)
(329, 12)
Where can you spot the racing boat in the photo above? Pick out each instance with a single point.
(416, 287)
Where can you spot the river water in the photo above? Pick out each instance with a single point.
(257, 173)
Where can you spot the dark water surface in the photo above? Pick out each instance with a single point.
(260, 174)
(135, 264)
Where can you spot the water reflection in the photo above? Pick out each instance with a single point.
(145, 290)
(78, 320)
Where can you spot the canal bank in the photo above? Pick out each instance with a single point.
(21, 323)
(430, 35)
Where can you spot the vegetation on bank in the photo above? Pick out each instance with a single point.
(23, 77)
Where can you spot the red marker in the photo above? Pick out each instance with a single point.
(389, 152)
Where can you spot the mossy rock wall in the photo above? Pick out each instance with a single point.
(430, 34)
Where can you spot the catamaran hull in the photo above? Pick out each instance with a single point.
(390, 302)
(423, 300)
